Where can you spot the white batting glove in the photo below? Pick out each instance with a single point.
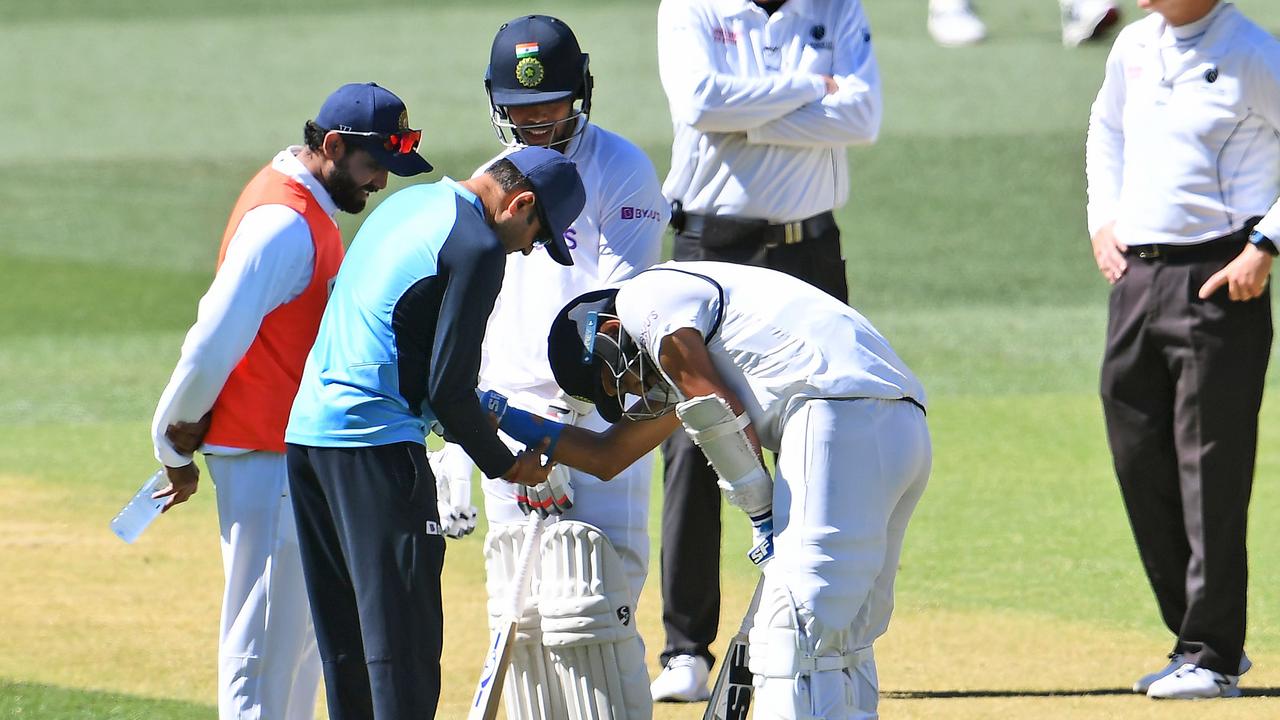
(761, 550)
(452, 468)
(552, 497)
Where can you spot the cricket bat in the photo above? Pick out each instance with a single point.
(731, 696)
(484, 706)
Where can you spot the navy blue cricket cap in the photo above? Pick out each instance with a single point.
(535, 59)
(374, 119)
(559, 192)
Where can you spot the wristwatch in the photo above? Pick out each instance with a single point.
(1263, 243)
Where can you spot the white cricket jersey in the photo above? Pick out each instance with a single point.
(618, 234)
(774, 339)
(269, 262)
(1184, 137)
(756, 135)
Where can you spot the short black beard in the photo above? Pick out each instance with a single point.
(344, 190)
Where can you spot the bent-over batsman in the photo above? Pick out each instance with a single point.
(751, 358)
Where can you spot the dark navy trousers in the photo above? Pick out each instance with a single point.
(372, 553)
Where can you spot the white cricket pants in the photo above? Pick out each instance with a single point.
(850, 475)
(619, 507)
(268, 664)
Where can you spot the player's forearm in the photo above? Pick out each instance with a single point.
(607, 454)
(724, 103)
(820, 124)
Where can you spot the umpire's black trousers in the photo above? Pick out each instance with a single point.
(1182, 382)
(372, 552)
(690, 564)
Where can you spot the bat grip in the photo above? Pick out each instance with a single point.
(524, 564)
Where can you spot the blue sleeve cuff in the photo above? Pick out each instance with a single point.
(524, 426)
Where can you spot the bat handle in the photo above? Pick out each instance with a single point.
(524, 564)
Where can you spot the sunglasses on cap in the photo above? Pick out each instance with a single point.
(400, 143)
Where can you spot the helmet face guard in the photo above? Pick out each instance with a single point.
(509, 133)
(622, 357)
(595, 366)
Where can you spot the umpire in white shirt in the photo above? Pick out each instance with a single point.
(765, 97)
(1183, 165)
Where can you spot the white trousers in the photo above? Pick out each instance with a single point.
(850, 475)
(268, 664)
(619, 507)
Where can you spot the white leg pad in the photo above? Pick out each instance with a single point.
(588, 626)
(531, 690)
(804, 671)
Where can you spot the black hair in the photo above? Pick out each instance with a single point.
(313, 135)
(509, 177)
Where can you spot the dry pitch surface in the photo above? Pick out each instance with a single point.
(82, 610)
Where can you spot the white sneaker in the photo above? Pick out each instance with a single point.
(1191, 682)
(684, 679)
(1144, 682)
(952, 23)
(1176, 661)
(1084, 20)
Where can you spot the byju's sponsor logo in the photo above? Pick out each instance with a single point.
(639, 213)
(724, 36)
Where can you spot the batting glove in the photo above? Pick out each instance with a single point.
(452, 468)
(552, 497)
(761, 539)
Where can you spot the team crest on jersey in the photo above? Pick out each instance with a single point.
(529, 72)
(818, 32)
(1211, 75)
(624, 615)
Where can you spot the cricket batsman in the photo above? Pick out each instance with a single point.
(751, 358)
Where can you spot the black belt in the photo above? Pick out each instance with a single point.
(723, 231)
(1226, 246)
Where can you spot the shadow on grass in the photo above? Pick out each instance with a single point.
(33, 701)
(944, 694)
(1086, 692)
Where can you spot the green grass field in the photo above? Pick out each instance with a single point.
(130, 126)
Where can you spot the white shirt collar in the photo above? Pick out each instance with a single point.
(802, 8)
(1192, 32)
(286, 162)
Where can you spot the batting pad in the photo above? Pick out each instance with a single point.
(804, 671)
(713, 427)
(530, 691)
(588, 627)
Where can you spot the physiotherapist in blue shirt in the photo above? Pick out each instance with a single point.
(398, 353)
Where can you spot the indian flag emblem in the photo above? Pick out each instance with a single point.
(526, 49)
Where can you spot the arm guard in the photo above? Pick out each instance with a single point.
(714, 429)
